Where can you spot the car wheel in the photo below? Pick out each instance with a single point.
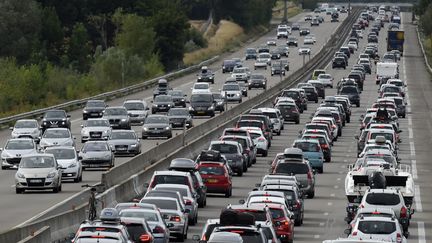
(56, 190)
(321, 170)
(265, 153)
(316, 101)
(297, 121)
(169, 136)
(245, 167)
(144, 137)
(19, 190)
(240, 101)
(82, 141)
(311, 194)
(246, 95)
(180, 238)
(240, 173)
(228, 193)
(4, 168)
(358, 104)
(279, 133)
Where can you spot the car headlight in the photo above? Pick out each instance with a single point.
(51, 174)
(72, 165)
(182, 99)
(154, 105)
(44, 123)
(85, 132)
(169, 105)
(134, 145)
(211, 107)
(167, 128)
(124, 119)
(190, 108)
(220, 103)
(238, 94)
(107, 156)
(85, 111)
(211, 77)
(145, 128)
(5, 155)
(19, 175)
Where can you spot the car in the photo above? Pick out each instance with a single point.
(26, 128)
(161, 88)
(275, 54)
(139, 230)
(258, 115)
(156, 126)
(201, 88)
(292, 41)
(352, 45)
(277, 69)
(14, 149)
(271, 41)
(67, 158)
(308, 40)
(283, 30)
(263, 49)
(219, 102)
(263, 60)
(205, 75)
(314, 22)
(250, 53)
(192, 216)
(241, 74)
(249, 150)
(163, 103)
(319, 86)
(137, 110)
(325, 144)
(352, 92)
(125, 142)
(38, 172)
(55, 119)
(57, 137)
(118, 117)
(317, 72)
(216, 177)
(378, 228)
(153, 217)
(302, 171)
(326, 79)
(233, 152)
(304, 50)
(283, 50)
(96, 154)
(400, 106)
(259, 140)
(304, 31)
(276, 119)
(202, 104)
(228, 65)
(295, 95)
(231, 92)
(289, 112)
(95, 129)
(312, 150)
(295, 26)
(308, 17)
(180, 117)
(257, 80)
(179, 97)
(339, 62)
(93, 109)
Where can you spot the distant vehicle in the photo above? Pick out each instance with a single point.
(162, 88)
(55, 119)
(125, 142)
(228, 66)
(94, 109)
(95, 129)
(180, 117)
(96, 154)
(163, 103)
(202, 104)
(156, 126)
(26, 128)
(118, 117)
(137, 110)
(14, 149)
(205, 75)
(67, 158)
(395, 40)
(57, 137)
(251, 53)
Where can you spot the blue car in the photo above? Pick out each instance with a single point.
(312, 152)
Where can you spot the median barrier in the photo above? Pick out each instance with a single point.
(41, 236)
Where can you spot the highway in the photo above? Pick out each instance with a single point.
(19, 208)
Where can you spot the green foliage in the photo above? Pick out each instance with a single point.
(422, 6)
(51, 34)
(197, 38)
(79, 52)
(426, 20)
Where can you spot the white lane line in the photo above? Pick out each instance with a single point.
(421, 232)
(412, 148)
(410, 133)
(321, 224)
(326, 213)
(329, 204)
(417, 199)
(336, 187)
(316, 236)
(409, 121)
(76, 120)
(332, 195)
(339, 179)
(414, 169)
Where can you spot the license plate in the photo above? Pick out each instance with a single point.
(212, 180)
(96, 135)
(36, 180)
(201, 112)
(94, 114)
(122, 149)
(54, 125)
(178, 123)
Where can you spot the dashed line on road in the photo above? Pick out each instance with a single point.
(421, 232)
(414, 169)
(417, 199)
(316, 236)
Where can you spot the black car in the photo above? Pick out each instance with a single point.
(345, 50)
(180, 117)
(319, 86)
(251, 53)
(315, 22)
(219, 101)
(372, 39)
(289, 112)
(283, 50)
(339, 62)
(304, 31)
(162, 103)
(285, 63)
(205, 75)
(228, 66)
(55, 119)
(274, 54)
(202, 104)
(296, 96)
(295, 26)
(178, 97)
(94, 109)
(400, 106)
(352, 92)
(375, 30)
(292, 41)
(277, 69)
(257, 80)
(311, 93)
(162, 88)
(358, 79)
(263, 49)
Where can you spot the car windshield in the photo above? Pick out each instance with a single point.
(178, 112)
(55, 114)
(277, 213)
(324, 76)
(147, 215)
(228, 62)
(292, 168)
(156, 120)
(183, 191)
(37, 162)
(387, 199)
(307, 147)
(239, 70)
(292, 94)
(391, 89)
(95, 147)
(162, 204)
(271, 114)
(163, 98)
(115, 112)
(176, 93)
(349, 90)
(134, 106)
(249, 124)
(388, 136)
(249, 236)
(62, 153)
(201, 86)
(376, 227)
(95, 104)
(97, 123)
(123, 135)
(255, 135)
(201, 98)
(56, 134)
(250, 51)
(320, 139)
(170, 179)
(224, 148)
(231, 87)
(235, 139)
(217, 96)
(26, 124)
(18, 145)
(211, 170)
(257, 76)
(258, 214)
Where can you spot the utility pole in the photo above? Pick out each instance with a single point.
(349, 7)
(285, 17)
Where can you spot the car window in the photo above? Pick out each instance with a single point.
(307, 147)
(170, 179)
(224, 148)
(211, 170)
(277, 213)
(37, 162)
(388, 199)
(62, 153)
(162, 204)
(147, 215)
(97, 123)
(123, 135)
(26, 124)
(377, 227)
(18, 145)
(56, 134)
(97, 147)
(134, 106)
(239, 140)
(292, 168)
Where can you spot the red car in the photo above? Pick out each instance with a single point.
(216, 177)
(281, 218)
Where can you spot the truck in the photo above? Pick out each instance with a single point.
(395, 40)
(385, 71)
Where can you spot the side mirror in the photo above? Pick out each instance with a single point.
(277, 223)
(347, 231)
(314, 171)
(82, 125)
(356, 137)
(196, 237)
(187, 210)
(68, 116)
(146, 185)
(412, 211)
(242, 201)
(347, 219)
(151, 101)
(170, 225)
(10, 128)
(147, 108)
(80, 157)
(257, 184)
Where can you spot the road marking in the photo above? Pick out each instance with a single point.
(417, 199)
(414, 169)
(332, 195)
(76, 120)
(412, 148)
(410, 133)
(326, 213)
(421, 232)
(321, 224)
(316, 236)
(336, 187)
(339, 179)
(345, 160)
(409, 121)
(329, 204)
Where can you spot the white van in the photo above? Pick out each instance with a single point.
(385, 71)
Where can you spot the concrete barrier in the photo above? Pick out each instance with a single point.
(41, 236)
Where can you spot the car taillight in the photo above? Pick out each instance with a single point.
(261, 139)
(145, 238)
(297, 205)
(354, 233)
(175, 218)
(324, 146)
(361, 206)
(334, 126)
(158, 230)
(284, 224)
(403, 212)
(398, 237)
(188, 202)
(309, 175)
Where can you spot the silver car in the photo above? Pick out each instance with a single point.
(96, 154)
(232, 92)
(156, 126)
(125, 142)
(172, 213)
(14, 149)
(95, 129)
(160, 229)
(118, 117)
(57, 137)
(38, 172)
(26, 128)
(137, 110)
(67, 158)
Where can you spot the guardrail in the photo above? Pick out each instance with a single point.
(132, 185)
(107, 95)
(429, 68)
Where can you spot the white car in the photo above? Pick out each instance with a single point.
(259, 140)
(201, 88)
(364, 56)
(360, 33)
(95, 129)
(67, 158)
(312, 36)
(353, 45)
(57, 137)
(308, 40)
(232, 92)
(26, 128)
(304, 50)
(14, 149)
(275, 117)
(326, 79)
(241, 74)
(271, 41)
(377, 228)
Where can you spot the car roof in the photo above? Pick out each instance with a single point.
(171, 172)
(38, 155)
(224, 142)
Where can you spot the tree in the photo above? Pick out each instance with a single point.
(19, 29)
(79, 52)
(51, 34)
